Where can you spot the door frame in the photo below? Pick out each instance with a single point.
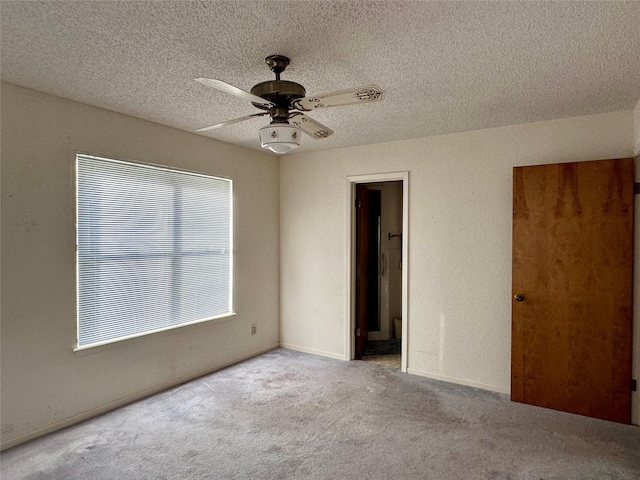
(350, 243)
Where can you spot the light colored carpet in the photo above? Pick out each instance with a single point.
(389, 361)
(289, 415)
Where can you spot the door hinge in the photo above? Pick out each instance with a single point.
(358, 203)
(634, 385)
(636, 188)
(357, 332)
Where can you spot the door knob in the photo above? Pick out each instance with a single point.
(518, 297)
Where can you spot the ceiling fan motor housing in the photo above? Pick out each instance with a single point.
(279, 92)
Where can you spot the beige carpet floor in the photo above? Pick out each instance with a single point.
(389, 361)
(290, 415)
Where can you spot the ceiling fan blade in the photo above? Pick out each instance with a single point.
(229, 122)
(235, 91)
(369, 93)
(309, 126)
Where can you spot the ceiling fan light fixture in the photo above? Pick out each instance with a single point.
(279, 138)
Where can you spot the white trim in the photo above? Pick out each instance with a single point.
(459, 381)
(128, 399)
(350, 281)
(121, 341)
(405, 273)
(352, 180)
(312, 351)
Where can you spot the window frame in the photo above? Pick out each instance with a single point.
(215, 319)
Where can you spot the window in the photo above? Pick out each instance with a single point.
(154, 249)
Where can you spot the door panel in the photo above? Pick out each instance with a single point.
(572, 262)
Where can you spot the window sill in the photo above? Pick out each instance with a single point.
(123, 341)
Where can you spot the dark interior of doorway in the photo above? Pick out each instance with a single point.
(371, 237)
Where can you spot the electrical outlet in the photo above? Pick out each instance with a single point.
(254, 329)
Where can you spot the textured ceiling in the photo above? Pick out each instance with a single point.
(444, 66)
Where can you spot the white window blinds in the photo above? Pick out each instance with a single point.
(154, 249)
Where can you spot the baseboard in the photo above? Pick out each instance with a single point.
(312, 351)
(459, 381)
(127, 400)
(433, 376)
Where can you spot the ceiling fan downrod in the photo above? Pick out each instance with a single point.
(277, 64)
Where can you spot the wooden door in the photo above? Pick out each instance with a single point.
(572, 265)
(364, 247)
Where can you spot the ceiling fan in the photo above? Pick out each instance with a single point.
(285, 103)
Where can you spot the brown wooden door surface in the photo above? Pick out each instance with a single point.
(364, 245)
(572, 263)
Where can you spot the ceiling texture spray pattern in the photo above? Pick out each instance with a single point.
(444, 66)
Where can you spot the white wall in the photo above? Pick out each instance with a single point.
(459, 239)
(44, 384)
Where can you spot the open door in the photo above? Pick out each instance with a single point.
(364, 277)
(572, 287)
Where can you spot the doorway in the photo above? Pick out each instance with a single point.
(377, 269)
